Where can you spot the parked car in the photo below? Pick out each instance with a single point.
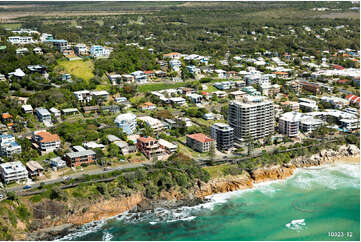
(107, 168)
(65, 178)
(27, 187)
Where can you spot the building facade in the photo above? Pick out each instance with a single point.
(127, 122)
(223, 134)
(46, 142)
(13, 172)
(251, 118)
(8, 145)
(80, 157)
(200, 142)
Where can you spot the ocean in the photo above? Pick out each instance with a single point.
(320, 203)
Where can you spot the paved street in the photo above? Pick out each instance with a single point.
(80, 174)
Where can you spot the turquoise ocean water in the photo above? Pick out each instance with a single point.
(313, 204)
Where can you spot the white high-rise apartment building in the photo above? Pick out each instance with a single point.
(253, 117)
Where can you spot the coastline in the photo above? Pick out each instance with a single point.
(199, 194)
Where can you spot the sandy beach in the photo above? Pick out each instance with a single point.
(348, 159)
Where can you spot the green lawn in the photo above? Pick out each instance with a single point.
(78, 68)
(13, 26)
(218, 171)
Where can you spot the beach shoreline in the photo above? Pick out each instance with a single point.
(203, 191)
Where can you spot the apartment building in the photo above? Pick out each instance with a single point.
(200, 142)
(289, 123)
(223, 134)
(251, 118)
(127, 122)
(8, 145)
(80, 157)
(13, 172)
(45, 141)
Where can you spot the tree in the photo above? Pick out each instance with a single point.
(212, 151)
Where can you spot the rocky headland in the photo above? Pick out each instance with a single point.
(136, 202)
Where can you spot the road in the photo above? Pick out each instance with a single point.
(78, 175)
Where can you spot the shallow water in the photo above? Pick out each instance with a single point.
(306, 206)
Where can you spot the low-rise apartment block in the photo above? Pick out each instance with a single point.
(127, 122)
(200, 142)
(8, 145)
(45, 141)
(13, 172)
(80, 157)
(223, 135)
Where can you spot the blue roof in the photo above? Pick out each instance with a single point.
(6, 136)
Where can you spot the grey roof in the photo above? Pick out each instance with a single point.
(80, 153)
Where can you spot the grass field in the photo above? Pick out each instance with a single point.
(13, 26)
(79, 68)
(218, 171)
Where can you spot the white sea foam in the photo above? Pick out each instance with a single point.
(330, 176)
(298, 224)
(85, 229)
(107, 236)
(302, 178)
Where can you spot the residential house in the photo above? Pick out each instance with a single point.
(22, 40)
(83, 96)
(154, 123)
(311, 87)
(114, 78)
(100, 96)
(236, 95)
(172, 55)
(221, 73)
(45, 141)
(70, 111)
(57, 162)
(293, 106)
(127, 122)
(81, 49)
(220, 94)
(195, 98)
(168, 146)
(148, 106)
(43, 114)
(66, 77)
(13, 172)
(178, 100)
(97, 51)
(56, 112)
(79, 158)
(353, 99)
(140, 77)
(200, 142)
(34, 169)
(90, 109)
(22, 51)
(38, 51)
(27, 108)
(151, 148)
(8, 145)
